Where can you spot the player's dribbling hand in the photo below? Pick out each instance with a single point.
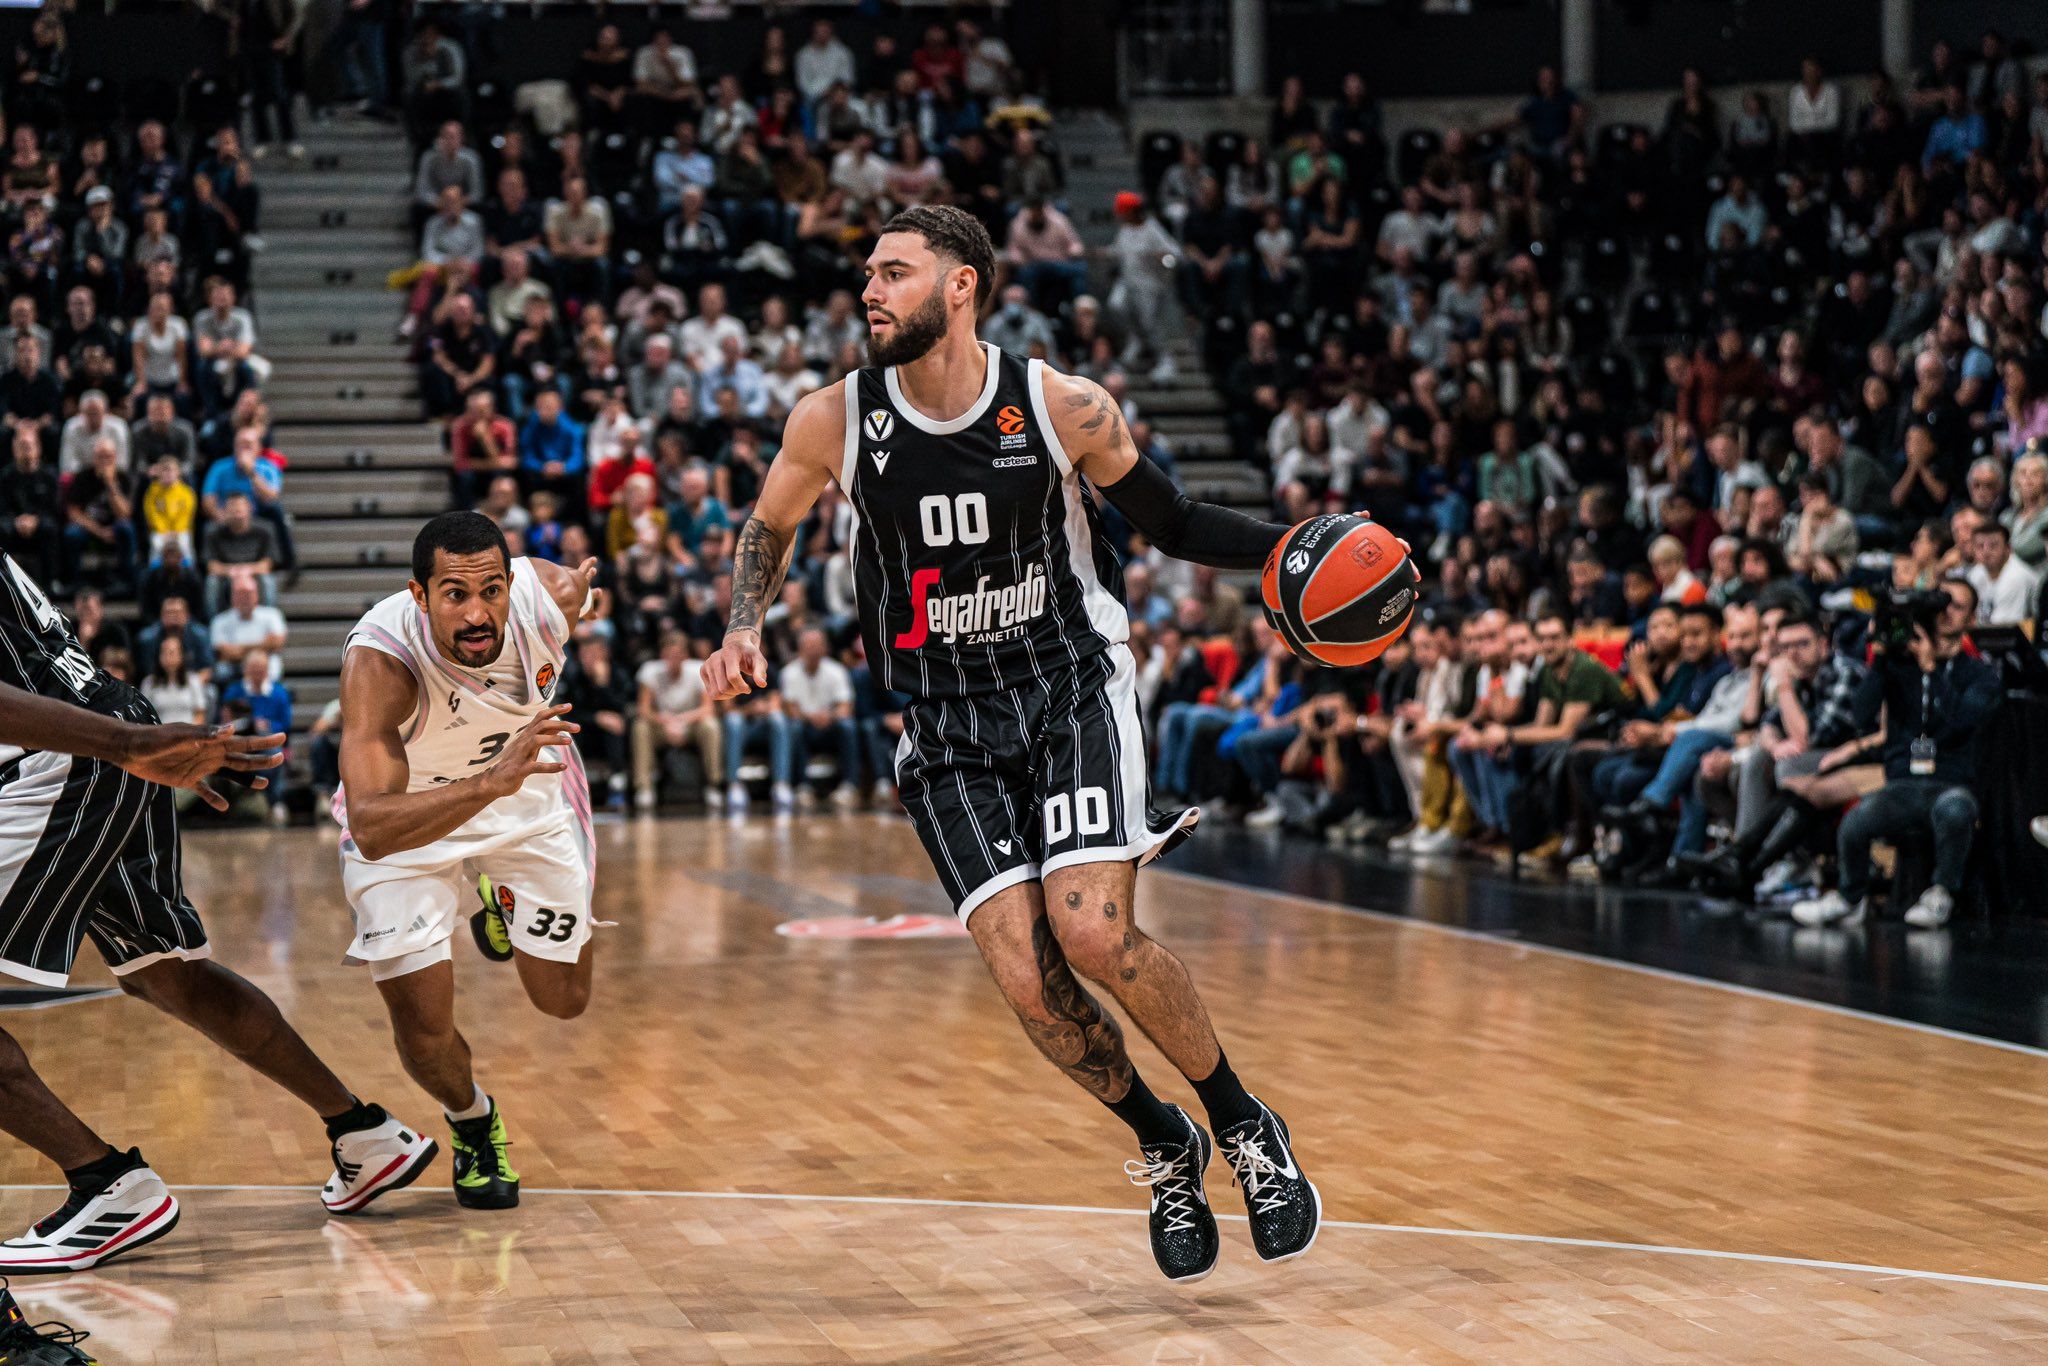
(186, 756)
(735, 667)
(530, 753)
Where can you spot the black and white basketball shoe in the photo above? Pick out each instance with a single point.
(1285, 1207)
(1184, 1238)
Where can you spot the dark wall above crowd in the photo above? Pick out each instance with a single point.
(1648, 45)
(1402, 51)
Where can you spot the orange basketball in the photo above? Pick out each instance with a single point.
(1340, 589)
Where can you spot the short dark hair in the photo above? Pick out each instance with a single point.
(458, 533)
(1706, 611)
(956, 235)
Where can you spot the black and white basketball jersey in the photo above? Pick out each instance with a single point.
(38, 653)
(979, 561)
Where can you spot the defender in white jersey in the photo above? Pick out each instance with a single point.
(458, 777)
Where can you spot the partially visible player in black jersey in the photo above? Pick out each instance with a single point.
(989, 594)
(89, 847)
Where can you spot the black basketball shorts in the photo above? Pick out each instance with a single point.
(1006, 787)
(89, 848)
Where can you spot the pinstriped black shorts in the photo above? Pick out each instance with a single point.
(87, 848)
(1005, 787)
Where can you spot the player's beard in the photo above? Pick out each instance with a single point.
(478, 652)
(913, 336)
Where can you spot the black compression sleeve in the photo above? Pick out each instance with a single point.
(1201, 533)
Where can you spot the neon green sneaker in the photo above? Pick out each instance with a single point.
(493, 935)
(484, 1178)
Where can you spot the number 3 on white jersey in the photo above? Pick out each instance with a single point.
(1089, 804)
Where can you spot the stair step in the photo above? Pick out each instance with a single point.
(289, 241)
(328, 186)
(316, 273)
(418, 504)
(337, 359)
(388, 213)
(337, 443)
(376, 483)
(353, 540)
(319, 660)
(368, 335)
(358, 458)
(1178, 426)
(349, 410)
(345, 387)
(1156, 404)
(365, 432)
(331, 300)
(1190, 447)
(322, 605)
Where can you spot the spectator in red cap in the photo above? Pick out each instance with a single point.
(1145, 255)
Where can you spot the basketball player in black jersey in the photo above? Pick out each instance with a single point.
(89, 846)
(989, 594)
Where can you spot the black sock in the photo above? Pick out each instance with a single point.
(1223, 1097)
(97, 1175)
(1148, 1116)
(362, 1115)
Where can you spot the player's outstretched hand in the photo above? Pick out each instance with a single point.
(735, 667)
(531, 751)
(186, 756)
(587, 572)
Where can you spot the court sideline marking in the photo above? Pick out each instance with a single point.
(1621, 964)
(1412, 1230)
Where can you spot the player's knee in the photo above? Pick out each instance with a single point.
(565, 1002)
(1100, 952)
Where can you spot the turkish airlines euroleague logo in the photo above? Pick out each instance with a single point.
(985, 616)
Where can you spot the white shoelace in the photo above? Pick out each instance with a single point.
(1172, 1191)
(1247, 1157)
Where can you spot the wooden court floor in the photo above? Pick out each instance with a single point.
(766, 1148)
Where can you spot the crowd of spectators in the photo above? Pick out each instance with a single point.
(623, 289)
(140, 470)
(1679, 418)
(1664, 410)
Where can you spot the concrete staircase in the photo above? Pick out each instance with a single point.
(1189, 411)
(365, 469)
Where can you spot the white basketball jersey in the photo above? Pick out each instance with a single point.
(464, 717)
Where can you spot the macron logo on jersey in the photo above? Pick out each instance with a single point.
(983, 617)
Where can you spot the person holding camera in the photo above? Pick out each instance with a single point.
(1936, 701)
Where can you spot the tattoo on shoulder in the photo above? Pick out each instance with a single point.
(1102, 421)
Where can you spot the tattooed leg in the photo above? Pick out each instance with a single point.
(1089, 905)
(1067, 1024)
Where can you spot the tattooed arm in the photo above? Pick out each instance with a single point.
(812, 445)
(1091, 430)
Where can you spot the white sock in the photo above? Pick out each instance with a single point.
(478, 1107)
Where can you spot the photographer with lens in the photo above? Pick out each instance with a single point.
(1936, 701)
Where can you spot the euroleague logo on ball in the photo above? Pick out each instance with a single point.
(1297, 563)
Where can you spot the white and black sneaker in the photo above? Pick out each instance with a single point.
(1184, 1238)
(1285, 1207)
(385, 1156)
(133, 1210)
